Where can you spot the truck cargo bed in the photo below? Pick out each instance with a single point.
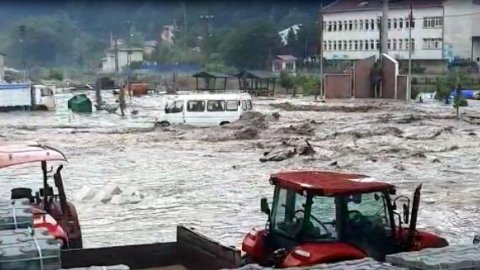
(191, 251)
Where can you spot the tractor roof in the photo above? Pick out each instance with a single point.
(21, 152)
(324, 183)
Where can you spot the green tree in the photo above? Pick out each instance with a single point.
(250, 46)
(287, 81)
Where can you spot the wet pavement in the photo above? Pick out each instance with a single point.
(207, 179)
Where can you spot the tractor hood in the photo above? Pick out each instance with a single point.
(314, 253)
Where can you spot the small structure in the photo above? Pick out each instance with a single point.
(2, 67)
(210, 80)
(284, 63)
(258, 83)
(109, 63)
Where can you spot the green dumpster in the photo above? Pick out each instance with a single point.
(80, 103)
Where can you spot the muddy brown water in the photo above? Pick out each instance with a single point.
(205, 179)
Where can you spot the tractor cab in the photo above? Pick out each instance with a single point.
(49, 204)
(324, 217)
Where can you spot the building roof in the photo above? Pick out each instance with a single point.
(205, 74)
(256, 74)
(287, 57)
(324, 183)
(15, 153)
(360, 5)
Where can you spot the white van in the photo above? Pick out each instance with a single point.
(205, 109)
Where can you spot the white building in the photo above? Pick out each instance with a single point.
(108, 63)
(441, 30)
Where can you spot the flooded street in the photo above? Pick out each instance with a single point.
(207, 179)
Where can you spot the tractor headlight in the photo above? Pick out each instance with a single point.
(303, 253)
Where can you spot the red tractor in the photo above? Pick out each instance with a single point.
(50, 210)
(326, 217)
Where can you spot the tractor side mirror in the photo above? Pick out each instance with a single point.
(406, 212)
(264, 206)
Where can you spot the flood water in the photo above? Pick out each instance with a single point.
(186, 177)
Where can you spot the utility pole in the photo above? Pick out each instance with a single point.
(22, 44)
(409, 85)
(115, 40)
(185, 32)
(129, 57)
(384, 30)
(320, 29)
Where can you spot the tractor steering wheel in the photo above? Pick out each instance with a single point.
(314, 218)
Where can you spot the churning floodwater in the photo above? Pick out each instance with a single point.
(212, 181)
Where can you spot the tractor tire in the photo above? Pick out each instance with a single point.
(245, 260)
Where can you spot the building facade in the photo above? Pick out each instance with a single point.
(108, 63)
(440, 30)
(284, 63)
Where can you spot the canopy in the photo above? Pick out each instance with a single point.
(324, 183)
(21, 152)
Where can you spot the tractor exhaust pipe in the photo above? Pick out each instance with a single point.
(413, 220)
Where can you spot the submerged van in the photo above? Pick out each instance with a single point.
(205, 109)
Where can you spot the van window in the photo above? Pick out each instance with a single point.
(244, 105)
(232, 105)
(46, 92)
(216, 105)
(249, 105)
(196, 106)
(175, 107)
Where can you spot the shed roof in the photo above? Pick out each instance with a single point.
(358, 5)
(325, 183)
(205, 74)
(257, 74)
(287, 57)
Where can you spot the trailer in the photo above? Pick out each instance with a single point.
(26, 96)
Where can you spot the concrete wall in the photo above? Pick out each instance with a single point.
(459, 27)
(402, 82)
(338, 86)
(390, 73)
(362, 83)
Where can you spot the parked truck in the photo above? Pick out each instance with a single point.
(26, 96)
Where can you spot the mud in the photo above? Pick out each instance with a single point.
(212, 178)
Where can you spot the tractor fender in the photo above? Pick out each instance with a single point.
(254, 244)
(315, 253)
(424, 239)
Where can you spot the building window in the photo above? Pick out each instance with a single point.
(413, 23)
(372, 24)
(372, 44)
(355, 45)
(355, 24)
(360, 26)
(389, 24)
(344, 45)
(329, 27)
(432, 22)
(325, 47)
(389, 46)
(334, 45)
(360, 45)
(413, 44)
(432, 43)
(334, 26)
(350, 25)
(340, 25)
(400, 23)
(366, 47)
(378, 44)
(400, 44)
(329, 45)
(367, 25)
(345, 25)
(350, 45)
(395, 24)
(394, 43)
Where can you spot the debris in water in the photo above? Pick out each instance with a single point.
(279, 154)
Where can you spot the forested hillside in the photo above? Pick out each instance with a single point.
(242, 34)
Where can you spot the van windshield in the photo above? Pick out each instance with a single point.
(175, 107)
